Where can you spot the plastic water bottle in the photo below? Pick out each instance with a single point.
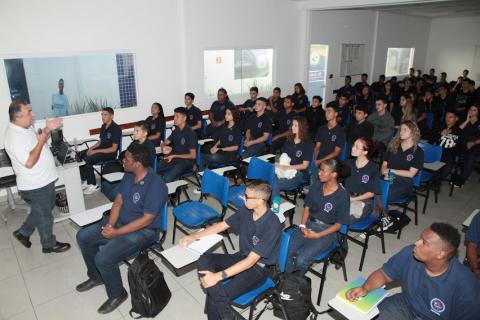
(75, 144)
(276, 200)
(391, 176)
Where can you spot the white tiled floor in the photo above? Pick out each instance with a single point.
(41, 286)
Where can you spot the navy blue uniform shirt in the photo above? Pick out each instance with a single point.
(154, 126)
(298, 152)
(261, 236)
(329, 139)
(194, 115)
(218, 109)
(404, 160)
(258, 126)
(110, 135)
(301, 102)
(473, 232)
(183, 140)
(334, 208)
(363, 180)
(283, 121)
(451, 295)
(229, 136)
(147, 196)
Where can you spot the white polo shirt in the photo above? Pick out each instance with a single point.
(18, 144)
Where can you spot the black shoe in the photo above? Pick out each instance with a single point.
(23, 240)
(87, 285)
(112, 304)
(57, 248)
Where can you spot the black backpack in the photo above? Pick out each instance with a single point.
(295, 293)
(148, 289)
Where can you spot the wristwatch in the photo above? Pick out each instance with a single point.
(302, 226)
(224, 275)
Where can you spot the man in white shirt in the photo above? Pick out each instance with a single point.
(34, 166)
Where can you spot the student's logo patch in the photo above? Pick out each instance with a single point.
(136, 197)
(437, 306)
(410, 157)
(328, 207)
(365, 178)
(152, 126)
(191, 117)
(298, 154)
(109, 135)
(334, 137)
(222, 107)
(230, 137)
(288, 122)
(182, 141)
(300, 101)
(260, 125)
(255, 240)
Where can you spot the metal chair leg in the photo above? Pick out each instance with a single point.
(322, 282)
(364, 251)
(174, 229)
(426, 199)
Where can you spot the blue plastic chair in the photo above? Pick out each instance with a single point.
(371, 225)
(204, 127)
(429, 179)
(195, 214)
(257, 170)
(344, 153)
(297, 191)
(405, 201)
(194, 171)
(324, 257)
(106, 162)
(429, 120)
(267, 288)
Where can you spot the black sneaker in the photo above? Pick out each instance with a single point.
(57, 248)
(22, 239)
(87, 285)
(112, 304)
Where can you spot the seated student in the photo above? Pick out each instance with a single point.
(472, 238)
(140, 133)
(433, 106)
(390, 95)
(442, 82)
(194, 114)
(404, 111)
(418, 106)
(246, 110)
(383, 124)
(105, 149)
(364, 180)
(464, 98)
(344, 111)
(133, 225)
(216, 114)
(156, 124)
(362, 83)
(347, 90)
(301, 99)
(360, 127)
(401, 162)
(450, 137)
(444, 99)
(471, 132)
(378, 86)
(330, 138)
(259, 233)
(327, 208)
(435, 285)
(275, 102)
(258, 129)
(299, 149)
(366, 98)
(226, 146)
(184, 148)
(411, 74)
(283, 121)
(315, 116)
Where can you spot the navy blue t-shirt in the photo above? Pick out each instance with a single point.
(473, 232)
(452, 295)
(261, 236)
(283, 121)
(183, 140)
(329, 139)
(148, 143)
(194, 115)
(218, 109)
(298, 152)
(229, 136)
(110, 135)
(277, 104)
(471, 131)
(334, 208)
(362, 180)
(301, 102)
(154, 126)
(258, 126)
(147, 196)
(404, 160)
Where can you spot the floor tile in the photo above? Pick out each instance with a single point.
(14, 297)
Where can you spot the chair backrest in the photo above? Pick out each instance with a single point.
(203, 127)
(261, 170)
(343, 153)
(385, 189)
(164, 218)
(430, 120)
(283, 251)
(164, 134)
(215, 185)
(270, 139)
(431, 152)
(240, 146)
(155, 163)
(198, 156)
(417, 179)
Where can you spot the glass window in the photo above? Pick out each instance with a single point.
(399, 60)
(237, 70)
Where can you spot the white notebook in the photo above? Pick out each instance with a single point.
(203, 244)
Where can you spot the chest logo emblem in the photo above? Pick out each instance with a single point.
(437, 306)
(365, 178)
(255, 240)
(410, 157)
(182, 141)
(328, 207)
(136, 197)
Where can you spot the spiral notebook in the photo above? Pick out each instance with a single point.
(367, 303)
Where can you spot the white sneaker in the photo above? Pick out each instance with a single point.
(91, 188)
(197, 190)
(84, 185)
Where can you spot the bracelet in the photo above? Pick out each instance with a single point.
(302, 226)
(224, 275)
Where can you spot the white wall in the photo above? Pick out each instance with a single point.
(451, 45)
(149, 28)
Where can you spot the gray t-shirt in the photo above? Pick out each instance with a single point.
(383, 126)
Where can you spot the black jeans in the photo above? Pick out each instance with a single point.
(221, 295)
(42, 201)
(86, 171)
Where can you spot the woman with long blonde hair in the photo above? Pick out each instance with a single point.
(402, 161)
(406, 105)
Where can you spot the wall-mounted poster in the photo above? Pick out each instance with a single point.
(76, 84)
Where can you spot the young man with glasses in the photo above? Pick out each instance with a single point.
(259, 236)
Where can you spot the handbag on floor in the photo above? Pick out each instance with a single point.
(148, 289)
